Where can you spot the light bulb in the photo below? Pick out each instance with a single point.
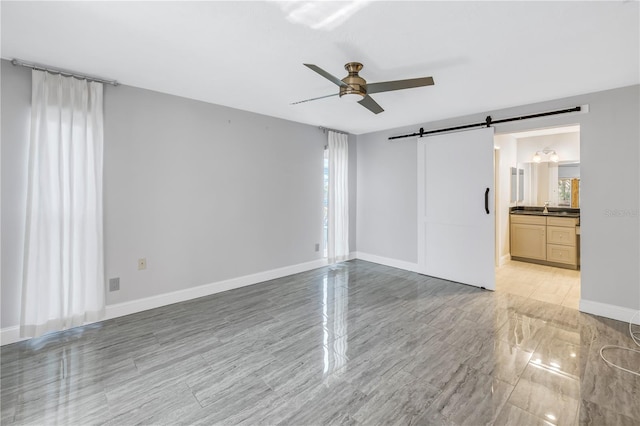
(537, 158)
(352, 97)
(554, 157)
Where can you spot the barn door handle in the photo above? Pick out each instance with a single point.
(486, 200)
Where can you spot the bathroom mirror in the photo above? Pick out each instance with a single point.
(514, 185)
(556, 183)
(517, 185)
(520, 185)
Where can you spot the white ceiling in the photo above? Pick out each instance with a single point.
(249, 55)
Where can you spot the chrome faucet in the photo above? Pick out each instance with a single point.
(546, 204)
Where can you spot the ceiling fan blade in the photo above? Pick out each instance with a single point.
(313, 99)
(331, 78)
(371, 105)
(387, 86)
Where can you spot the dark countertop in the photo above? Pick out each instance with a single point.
(553, 211)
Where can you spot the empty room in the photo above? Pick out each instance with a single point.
(320, 212)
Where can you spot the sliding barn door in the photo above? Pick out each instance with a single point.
(456, 218)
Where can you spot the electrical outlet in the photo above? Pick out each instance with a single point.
(114, 284)
(142, 264)
(317, 246)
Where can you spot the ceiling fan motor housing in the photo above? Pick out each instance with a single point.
(356, 85)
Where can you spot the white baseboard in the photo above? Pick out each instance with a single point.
(139, 305)
(609, 311)
(394, 263)
(10, 335)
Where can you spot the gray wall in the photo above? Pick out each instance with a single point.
(387, 197)
(387, 189)
(204, 192)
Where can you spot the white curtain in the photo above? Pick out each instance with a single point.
(63, 279)
(338, 238)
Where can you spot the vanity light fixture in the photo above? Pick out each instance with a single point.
(553, 155)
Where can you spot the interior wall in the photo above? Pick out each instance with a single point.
(566, 145)
(205, 193)
(610, 247)
(507, 145)
(569, 170)
(387, 203)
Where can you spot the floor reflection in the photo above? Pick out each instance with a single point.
(335, 305)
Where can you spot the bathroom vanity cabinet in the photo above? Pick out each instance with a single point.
(528, 237)
(546, 239)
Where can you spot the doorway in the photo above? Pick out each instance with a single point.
(533, 169)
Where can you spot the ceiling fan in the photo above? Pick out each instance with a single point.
(355, 88)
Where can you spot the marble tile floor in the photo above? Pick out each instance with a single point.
(355, 343)
(540, 282)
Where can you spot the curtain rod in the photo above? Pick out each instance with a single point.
(488, 122)
(324, 129)
(38, 67)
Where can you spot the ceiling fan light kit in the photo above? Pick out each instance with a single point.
(355, 88)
